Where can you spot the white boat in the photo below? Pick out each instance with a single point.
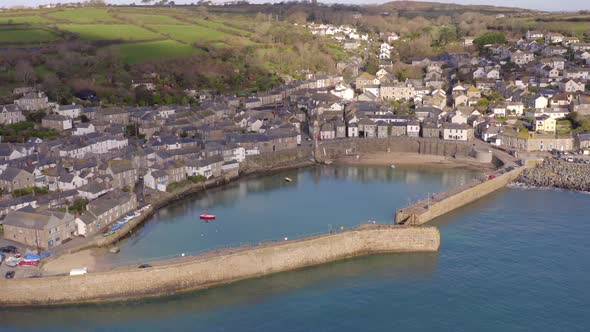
(392, 166)
(288, 179)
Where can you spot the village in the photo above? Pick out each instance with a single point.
(108, 163)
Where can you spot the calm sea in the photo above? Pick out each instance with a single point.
(514, 261)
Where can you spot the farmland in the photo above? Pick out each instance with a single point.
(104, 49)
(141, 34)
(163, 49)
(109, 31)
(189, 33)
(26, 35)
(82, 15)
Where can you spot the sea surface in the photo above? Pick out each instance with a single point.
(513, 261)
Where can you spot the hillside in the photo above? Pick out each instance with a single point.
(223, 51)
(432, 9)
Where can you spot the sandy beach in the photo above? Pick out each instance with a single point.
(405, 158)
(89, 258)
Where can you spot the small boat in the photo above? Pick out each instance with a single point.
(109, 233)
(30, 260)
(288, 179)
(12, 261)
(207, 216)
(392, 166)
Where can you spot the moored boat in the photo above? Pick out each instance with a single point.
(288, 179)
(207, 216)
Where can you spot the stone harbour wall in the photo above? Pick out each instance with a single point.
(217, 268)
(432, 146)
(425, 210)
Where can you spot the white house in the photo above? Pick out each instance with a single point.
(69, 111)
(83, 129)
(343, 91)
(156, 179)
(458, 118)
(353, 130)
(515, 108)
(457, 132)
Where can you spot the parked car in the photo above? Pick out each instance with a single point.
(8, 249)
(9, 275)
(144, 266)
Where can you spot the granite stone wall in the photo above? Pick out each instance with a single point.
(424, 211)
(217, 268)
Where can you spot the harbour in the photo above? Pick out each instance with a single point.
(490, 247)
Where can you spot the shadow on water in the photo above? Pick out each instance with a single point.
(370, 269)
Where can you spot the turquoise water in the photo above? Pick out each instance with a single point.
(318, 200)
(514, 261)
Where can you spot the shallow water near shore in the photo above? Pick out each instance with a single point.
(513, 261)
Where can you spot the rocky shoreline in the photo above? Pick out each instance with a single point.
(553, 173)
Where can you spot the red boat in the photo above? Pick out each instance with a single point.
(207, 216)
(25, 262)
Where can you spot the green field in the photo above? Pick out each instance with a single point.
(148, 18)
(25, 35)
(190, 33)
(83, 15)
(109, 31)
(142, 33)
(165, 49)
(32, 19)
(220, 26)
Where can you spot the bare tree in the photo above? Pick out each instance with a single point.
(25, 72)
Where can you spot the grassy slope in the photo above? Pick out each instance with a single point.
(109, 31)
(165, 49)
(147, 33)
(83, 15)
(152, 33)
(26, 35)
(189, 33)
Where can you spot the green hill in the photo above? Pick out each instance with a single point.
(183, 47)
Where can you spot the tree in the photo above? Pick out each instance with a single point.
(143, 96)
(25, 72)
(446, 34)
(489, 39)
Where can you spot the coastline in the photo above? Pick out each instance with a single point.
(90, 254)
(411, 159)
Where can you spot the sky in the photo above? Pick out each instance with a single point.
(561, 5)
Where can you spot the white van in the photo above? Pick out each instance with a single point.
(78, 272)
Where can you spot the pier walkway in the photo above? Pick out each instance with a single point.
(436, 205)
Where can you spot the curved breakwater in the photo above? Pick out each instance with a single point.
(217, 268)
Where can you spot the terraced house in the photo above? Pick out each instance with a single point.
(13, 179)
(104, 210)
(39, 229)
(123, 172)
